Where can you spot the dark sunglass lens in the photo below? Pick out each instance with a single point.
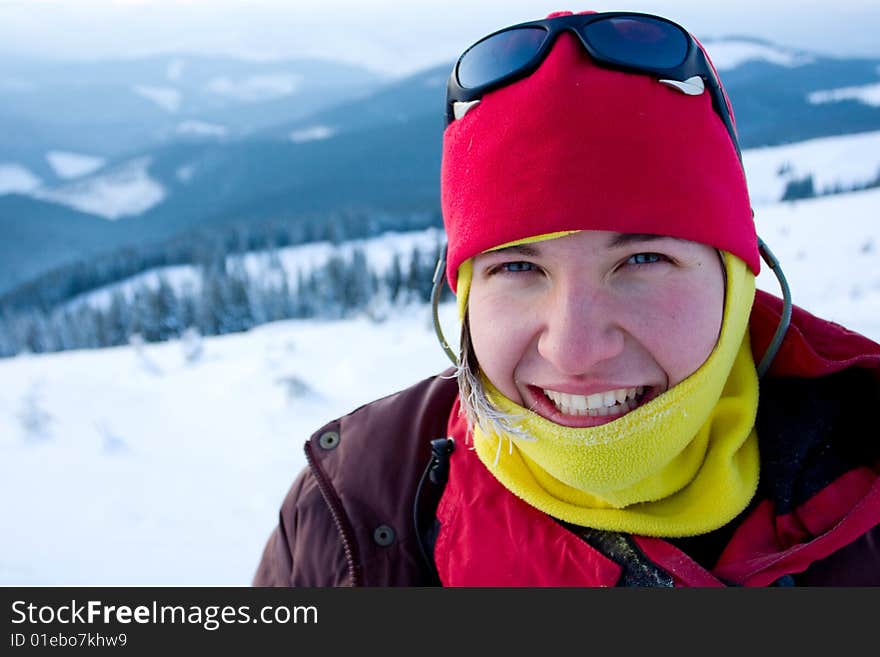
(499, 55)
(638, 41)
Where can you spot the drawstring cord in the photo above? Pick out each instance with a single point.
(437, 472)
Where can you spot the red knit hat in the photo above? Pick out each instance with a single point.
(575, 146)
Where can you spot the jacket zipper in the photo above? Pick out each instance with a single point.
(343, 526)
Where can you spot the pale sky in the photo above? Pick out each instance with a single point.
(389, 35)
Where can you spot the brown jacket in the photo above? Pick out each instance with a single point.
(348, 518)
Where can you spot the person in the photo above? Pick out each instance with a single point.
(627, 408)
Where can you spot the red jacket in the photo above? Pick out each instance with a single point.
(363, 511)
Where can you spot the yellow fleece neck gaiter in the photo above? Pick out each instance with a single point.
(683, 464)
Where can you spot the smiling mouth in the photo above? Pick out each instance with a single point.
(608, 404)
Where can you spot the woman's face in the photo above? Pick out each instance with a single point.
(584, 328)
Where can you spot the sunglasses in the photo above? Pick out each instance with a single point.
(627, 41)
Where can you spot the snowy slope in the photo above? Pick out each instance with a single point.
(125, 190)
(73, 165)
(127, 466)
(16, 179)
(829, 249)
(293, 260)
(869, 94)
(843, 162)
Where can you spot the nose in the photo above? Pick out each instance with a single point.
(580, 330)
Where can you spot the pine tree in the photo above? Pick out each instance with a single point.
(331, 279)
(302, 300)
(356, 283)
(36, 334)
(411, 281)
(284, 299)
(237, 306)
(86, 320)
(394, 278)
(115, 322)
(8, 345)
(187, 302)
(210, 307)
(63, 330)
(147, 300)
(168, 310)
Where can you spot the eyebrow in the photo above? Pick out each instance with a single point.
(522, 249)
(617, 241)
(620, 240)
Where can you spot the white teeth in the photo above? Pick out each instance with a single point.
(611, 402)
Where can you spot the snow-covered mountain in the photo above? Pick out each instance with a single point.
(113, 107)
(219, 142)
(731, 52)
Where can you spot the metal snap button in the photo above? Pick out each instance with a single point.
(329, 440)
(383, 535)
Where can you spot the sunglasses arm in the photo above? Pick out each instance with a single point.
(439, 279)
(785, 318)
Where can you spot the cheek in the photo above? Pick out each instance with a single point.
(499, 344)
(680, 325)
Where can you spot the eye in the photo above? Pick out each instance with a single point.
(515, 267)
(646, 258)
(518, 266)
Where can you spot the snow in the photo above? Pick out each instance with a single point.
(869, 94)
(16, 179)
(312, 133)
(256, 87)
(73, 165)
(201, 129)
(183, 279)
(123, 191)
(166, 464)
(730, 53)
(843, 161)
(168, 98)
(135, 465)
(829, 250)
